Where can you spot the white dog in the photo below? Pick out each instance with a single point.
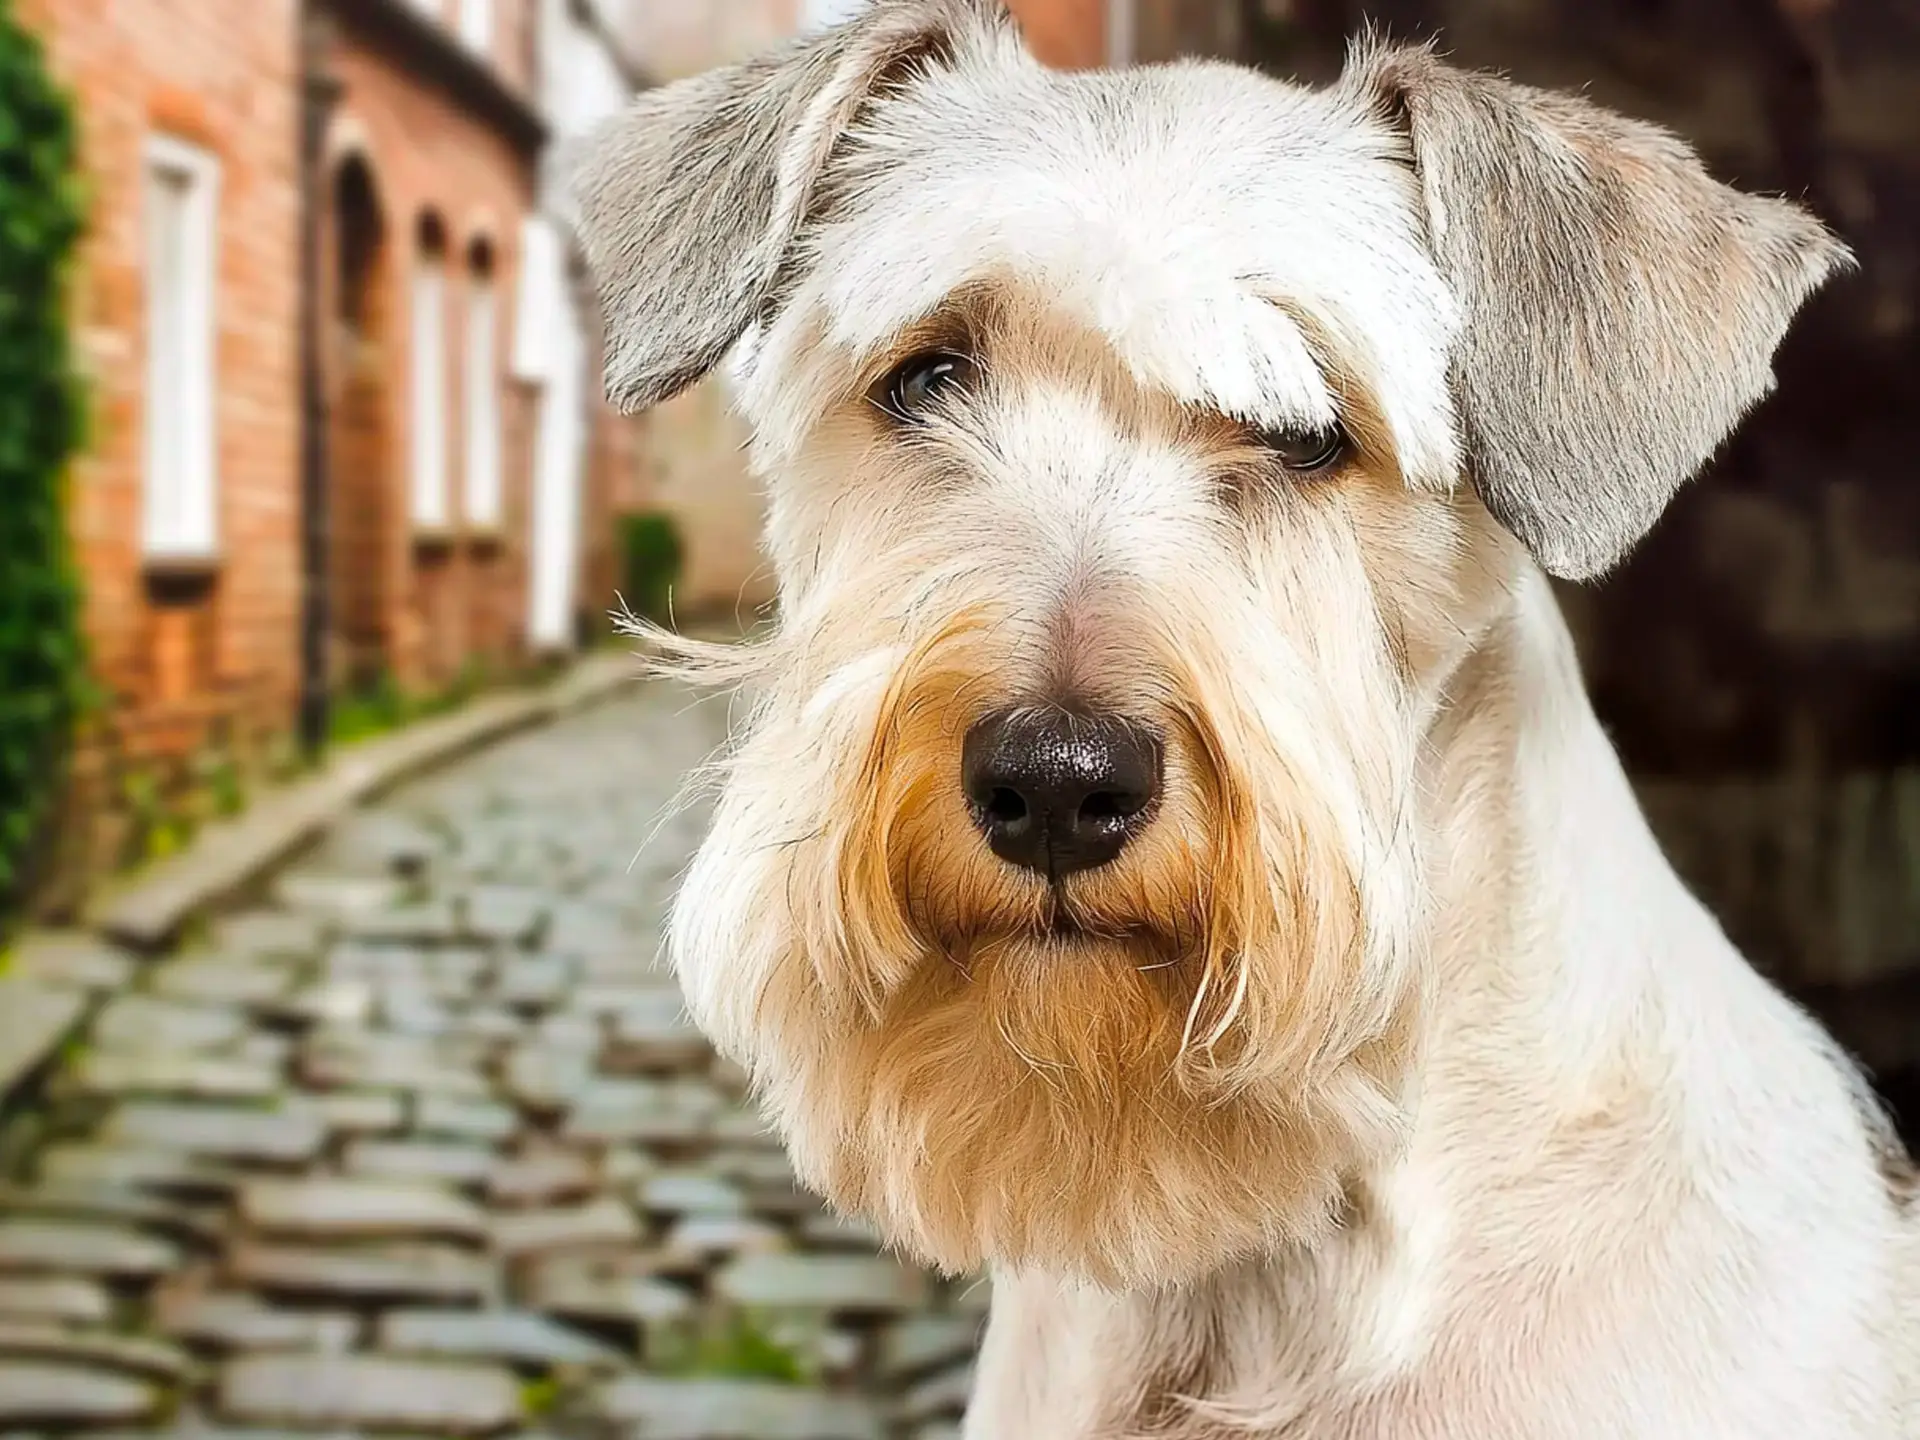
(1172, 859)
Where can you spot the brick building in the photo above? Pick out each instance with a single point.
(185, 515)
(324, 451)
(429, 172)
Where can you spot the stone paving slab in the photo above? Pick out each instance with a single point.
(279, 1135)
(457, 1162)
(359, 1112)
(660, 1409)
(922, 1343)
(131, 1164)
(612, 1287)
(70, 1299)
(379, 1393)
(117, 1073)
(101, 1349)
(240, 1320)
(320, 1207)
(599, 1224)
(139, 1021)
(516, 1337)
(422, 1143)
(55, 1200)
(845, 1284)
(542, 1177)
(456, 1117)
(70, 958)
(371, 1274)
(936, 1395)
(34, 1246)
(36, 1392)
(34, 1018)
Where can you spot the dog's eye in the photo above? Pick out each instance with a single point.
(918, 383)
(1306, 451)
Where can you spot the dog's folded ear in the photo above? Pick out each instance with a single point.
(687, 202)
(1619, 307)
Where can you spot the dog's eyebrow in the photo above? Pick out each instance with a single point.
(959, 323)
(1355, 399)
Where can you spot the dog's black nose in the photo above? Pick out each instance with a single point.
(1057, 792)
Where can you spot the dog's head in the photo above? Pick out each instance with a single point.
(1143, 451)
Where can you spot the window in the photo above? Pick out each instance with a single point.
(429, 400)
(476, 25)
(541, 295)
(481, 389)
(180, 502)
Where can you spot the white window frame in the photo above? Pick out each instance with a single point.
(483, 499)
(180, 499)
(477, 25)
(429, 400)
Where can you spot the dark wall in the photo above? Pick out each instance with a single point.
(1758, 660)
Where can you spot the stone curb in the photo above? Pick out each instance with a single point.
(41, 1008)
(151, 910)
(34, 1020)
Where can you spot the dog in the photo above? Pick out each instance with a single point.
(1171, 860)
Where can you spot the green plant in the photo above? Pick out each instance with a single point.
(651, 557)
(382, 706)
(732, 1346)
(373, 710)
(539, 1396)
(41, 659)
(158, 827)
(222, 786)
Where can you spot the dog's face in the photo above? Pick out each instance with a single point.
(1144, 451)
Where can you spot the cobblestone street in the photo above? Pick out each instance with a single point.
(421, 1143)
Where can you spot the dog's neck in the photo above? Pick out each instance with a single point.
(1555, 912)
(1563, 950)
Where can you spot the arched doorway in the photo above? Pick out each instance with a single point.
(359, 490)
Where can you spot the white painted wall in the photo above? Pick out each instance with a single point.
(581, 84)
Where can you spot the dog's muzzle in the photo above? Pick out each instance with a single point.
(1058, 793)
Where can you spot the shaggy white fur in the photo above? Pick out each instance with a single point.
(1387, 1083)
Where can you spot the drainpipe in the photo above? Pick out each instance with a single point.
(318, 92)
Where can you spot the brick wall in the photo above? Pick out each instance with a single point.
(193, 663)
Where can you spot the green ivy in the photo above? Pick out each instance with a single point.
(41, 660)
(381, 706)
